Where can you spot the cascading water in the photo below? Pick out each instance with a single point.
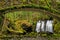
(41, 26)
(49, 26)
(38, 26)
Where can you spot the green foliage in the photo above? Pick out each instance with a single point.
(57, 27)
(56, 35)
(43, 35)
(1, 20)
(33, 34)
(23, 0)
(32, 3)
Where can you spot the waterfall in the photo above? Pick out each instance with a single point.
(44, 27)
(49, 26)
(38, 26)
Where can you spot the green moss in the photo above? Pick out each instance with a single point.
(57, 27)
(32, 34)
(43, 35)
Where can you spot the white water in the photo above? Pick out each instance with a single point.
(49, 26)
(41, 24)
(38, 26)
